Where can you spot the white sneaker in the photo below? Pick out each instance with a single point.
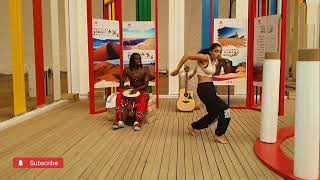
(117, 125)
(121, 124)
(137, 126)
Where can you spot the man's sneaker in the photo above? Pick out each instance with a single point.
(137, 126)
(117, 125)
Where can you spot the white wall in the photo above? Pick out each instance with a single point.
(5, 42)
(97, 8)
(163, 34)
(129, 10)
(28, 45)
(62, 36)
(28, 42)
(27, 28)
(47, 39)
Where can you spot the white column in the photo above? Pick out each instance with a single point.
(279, 6)
(83, 49)
(313, 23)
(306, 149)
(242, 9)
(176, 40)
(79, 66)
(270, 96)
(54, 14)
(241, 13)
(31, 69)
(74, 71)
(67, 31)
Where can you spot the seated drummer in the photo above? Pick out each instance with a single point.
(139, 79)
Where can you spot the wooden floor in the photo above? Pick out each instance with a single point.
(161, 150)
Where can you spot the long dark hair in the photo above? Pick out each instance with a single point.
(132, 64)
(212, 47)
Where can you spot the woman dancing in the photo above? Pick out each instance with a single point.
(216, 107)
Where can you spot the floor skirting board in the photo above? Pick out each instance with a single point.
(29, 115)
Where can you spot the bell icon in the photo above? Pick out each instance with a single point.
(20, 163)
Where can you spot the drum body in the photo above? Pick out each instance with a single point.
(129, 103)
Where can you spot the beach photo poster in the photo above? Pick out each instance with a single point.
(140, 37)
(231, 34)
(106, 53)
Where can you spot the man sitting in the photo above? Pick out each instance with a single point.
(138, 76)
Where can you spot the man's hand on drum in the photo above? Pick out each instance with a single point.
(133, 91)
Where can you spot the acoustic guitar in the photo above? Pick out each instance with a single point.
(186, 101)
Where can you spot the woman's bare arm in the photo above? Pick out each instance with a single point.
(195, 57)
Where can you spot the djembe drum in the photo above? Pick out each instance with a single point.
(129, 103)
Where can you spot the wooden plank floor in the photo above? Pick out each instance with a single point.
(161, 150)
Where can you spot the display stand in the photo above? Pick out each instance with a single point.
(250, 95)
(118, 16)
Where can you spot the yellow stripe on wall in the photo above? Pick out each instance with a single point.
(17, 57)
(109, 11)
(113, 12)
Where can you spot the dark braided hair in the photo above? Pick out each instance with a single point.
(132, 64)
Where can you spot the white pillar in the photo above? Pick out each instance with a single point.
(67, 31)
(176, 40)
(242, 9)
(54, 14)
(306, 145)
(313, 23)
(83, 47)
(279, 6)
(270, 96)
(241, 13)
(31, 69)
(74, 71)
(79, 66)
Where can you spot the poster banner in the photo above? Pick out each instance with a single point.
(231, 34)
(266, 39)
(139, 37)
(106, 53)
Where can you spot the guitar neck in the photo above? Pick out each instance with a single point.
(186, 83)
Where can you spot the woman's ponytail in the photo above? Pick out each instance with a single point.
(204, 51)
(212, 47)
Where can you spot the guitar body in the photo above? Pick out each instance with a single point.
(186, 101)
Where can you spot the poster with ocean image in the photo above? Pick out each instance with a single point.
(139, 37)
(231, 34)
(106, 53)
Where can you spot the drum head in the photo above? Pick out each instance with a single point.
(126, 93)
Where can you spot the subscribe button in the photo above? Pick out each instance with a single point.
(37, 162)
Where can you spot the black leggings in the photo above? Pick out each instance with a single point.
(216, 108)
